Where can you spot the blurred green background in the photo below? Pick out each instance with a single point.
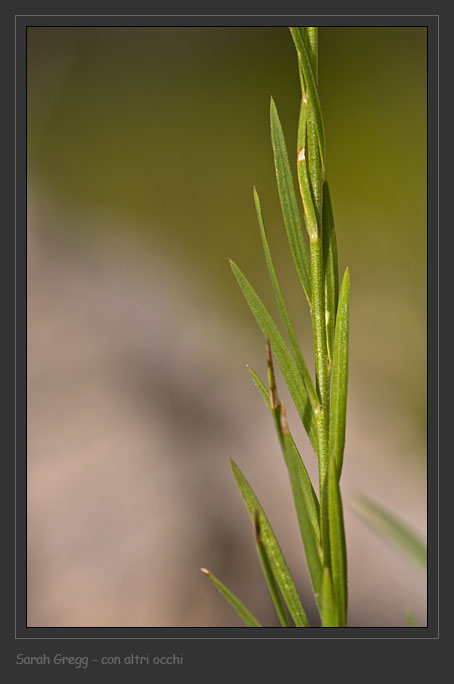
(167, 130)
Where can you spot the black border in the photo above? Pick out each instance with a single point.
(170, 633)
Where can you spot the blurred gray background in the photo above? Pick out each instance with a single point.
(143, 146)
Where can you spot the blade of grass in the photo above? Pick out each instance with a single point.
(331, 270)
(247, 617)
(299, 478)
(281, 352)
(276, 558)
(328, 612)
(310, 214)
(338, 408)
(283, 310)
(338, 554)
(260, 386)
(310, 497)
(268, 573)
(392, 529)
(303, 500)
(311, 91)
(289, 205)
(411, 621)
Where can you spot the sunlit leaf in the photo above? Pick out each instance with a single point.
(268, 574)
(282, 354)
(273, 550)
(330, 268)
(283, 309)
(306, 505)
(289, 205)
(328, 611)
(247, 617)
(338, 409)
(338, 553)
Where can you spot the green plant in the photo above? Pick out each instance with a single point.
(321, 407)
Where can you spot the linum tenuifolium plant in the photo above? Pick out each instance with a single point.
(321, 407)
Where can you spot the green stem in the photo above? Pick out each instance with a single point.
(322, 374)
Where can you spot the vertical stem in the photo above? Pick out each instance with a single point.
(322, 368)
(322, 374)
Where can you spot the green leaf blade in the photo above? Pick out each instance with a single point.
(308, 492)
(260, 386)
(269, 576)
(305, 376)
(276, 558)
(303, 497)
(331, 269)
(282, 354)
(311, 90)
(338, 552)
(247, 617)
(338, 410)
(289, 205)
(328, 611)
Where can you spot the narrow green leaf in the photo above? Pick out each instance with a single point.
(289, 205)
(304, 499)
(328, 612)
(330, 269)
(260, 386)
(310, 497)
(247, 617)
(310, 214)
(305, 376)
(392, 529)
(338, 410)
(269, 577)
(338, 553)
(311, 91)
(283, 356)
(276, 558)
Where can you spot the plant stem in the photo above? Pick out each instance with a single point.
(315, 173)
(322, 374)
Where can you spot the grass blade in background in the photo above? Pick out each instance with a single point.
(273, 550)
(283, 356)
(269, 577)
(247, 617)
(338, 553)
(289, 204)
(411, 621)
(338, 408)
(392, 529)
